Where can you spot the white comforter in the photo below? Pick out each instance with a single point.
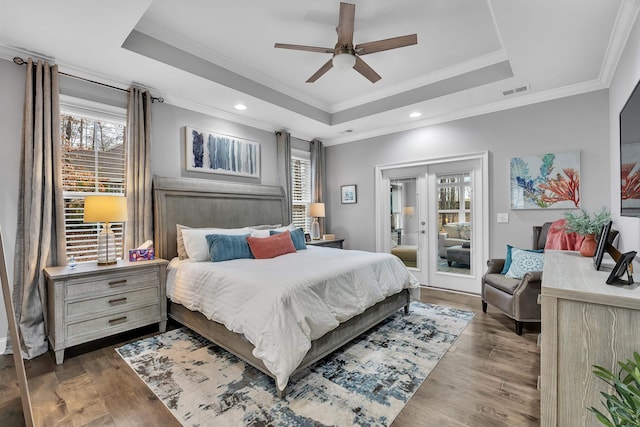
(282, 304)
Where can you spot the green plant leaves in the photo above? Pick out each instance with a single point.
(623, 407)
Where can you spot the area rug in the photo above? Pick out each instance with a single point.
(367, 382)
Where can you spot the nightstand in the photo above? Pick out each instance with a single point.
(90, 301)
(335, 243)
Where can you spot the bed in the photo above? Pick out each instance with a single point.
(203, 203)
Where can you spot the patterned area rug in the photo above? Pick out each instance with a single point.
(366, 382)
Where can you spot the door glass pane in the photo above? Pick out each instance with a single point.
(454, 223)
(404, 220)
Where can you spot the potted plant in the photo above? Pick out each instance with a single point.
(624, 406)
(586, 225)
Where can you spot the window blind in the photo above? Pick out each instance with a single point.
(301, 190)
(93, 162)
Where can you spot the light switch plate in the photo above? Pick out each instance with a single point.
(503, 218)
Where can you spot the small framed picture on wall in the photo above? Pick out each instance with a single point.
(349, 193)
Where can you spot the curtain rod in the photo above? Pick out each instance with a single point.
(19, 61)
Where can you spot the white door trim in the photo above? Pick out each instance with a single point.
(381, 185)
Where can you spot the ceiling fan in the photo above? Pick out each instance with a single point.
(345, 54)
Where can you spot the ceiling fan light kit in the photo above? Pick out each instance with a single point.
(345, 54)
(344, 60)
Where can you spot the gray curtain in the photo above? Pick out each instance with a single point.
(283, 139)
(318, 177)
(40, 206)
(139, 227)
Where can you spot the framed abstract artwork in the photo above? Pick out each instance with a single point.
(349, 194)
(546, 181)
(212, 152)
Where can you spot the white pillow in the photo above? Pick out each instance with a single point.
(263, 232)
(182, 253)
(195, 240)
(256, 232)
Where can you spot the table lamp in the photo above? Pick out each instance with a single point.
(105, 209)
(316, 210)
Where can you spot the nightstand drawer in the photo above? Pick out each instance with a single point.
(92, 301)
(121, 301)
(106, 325)
(115, 283)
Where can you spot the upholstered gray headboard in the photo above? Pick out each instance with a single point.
(205, 203)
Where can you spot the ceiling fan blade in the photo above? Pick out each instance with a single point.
(366, 71)
(305, 48)
(326, 67)
(392, 43)
(345, 23)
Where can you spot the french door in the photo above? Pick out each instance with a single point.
(433, 215)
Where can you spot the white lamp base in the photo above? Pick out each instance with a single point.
(315, 229)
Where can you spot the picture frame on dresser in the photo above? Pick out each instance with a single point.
(602, 245)
(622, 266)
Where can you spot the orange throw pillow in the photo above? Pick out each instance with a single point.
(272, 246)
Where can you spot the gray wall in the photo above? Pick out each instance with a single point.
(167, 152)
(12, 85)
(168, 137)
(625, 79)
(574, 123)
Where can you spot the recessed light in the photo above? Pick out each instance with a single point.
(415, 114)
(240, 107)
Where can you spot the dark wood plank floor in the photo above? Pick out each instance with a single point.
(488, 378)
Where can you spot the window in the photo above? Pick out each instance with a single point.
(92, 137)
(454, 198)
(301, 188)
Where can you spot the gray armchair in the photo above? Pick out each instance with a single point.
(518, 298)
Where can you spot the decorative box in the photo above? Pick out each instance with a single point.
(329, 237)
(141, 254)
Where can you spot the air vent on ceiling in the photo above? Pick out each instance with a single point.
(515, 90)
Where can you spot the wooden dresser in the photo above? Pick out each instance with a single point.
(90, 301)
(585, 322)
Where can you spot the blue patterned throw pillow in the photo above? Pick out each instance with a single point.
(523, 262)
(507, 259)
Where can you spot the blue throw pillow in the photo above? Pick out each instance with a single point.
(507, 259)
(223, 247)
(297, 236)
(523, 262)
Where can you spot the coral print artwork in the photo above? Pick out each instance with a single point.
(546, 181)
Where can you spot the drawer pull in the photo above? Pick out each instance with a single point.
(118, 283)
(118, 301)
(118, 320)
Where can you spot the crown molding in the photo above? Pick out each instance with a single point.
(625, 20)
(436, 76)
(507, 104)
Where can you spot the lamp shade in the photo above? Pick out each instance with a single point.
(316, 210)
(105, 208)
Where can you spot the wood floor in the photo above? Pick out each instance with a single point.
(488, 378)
